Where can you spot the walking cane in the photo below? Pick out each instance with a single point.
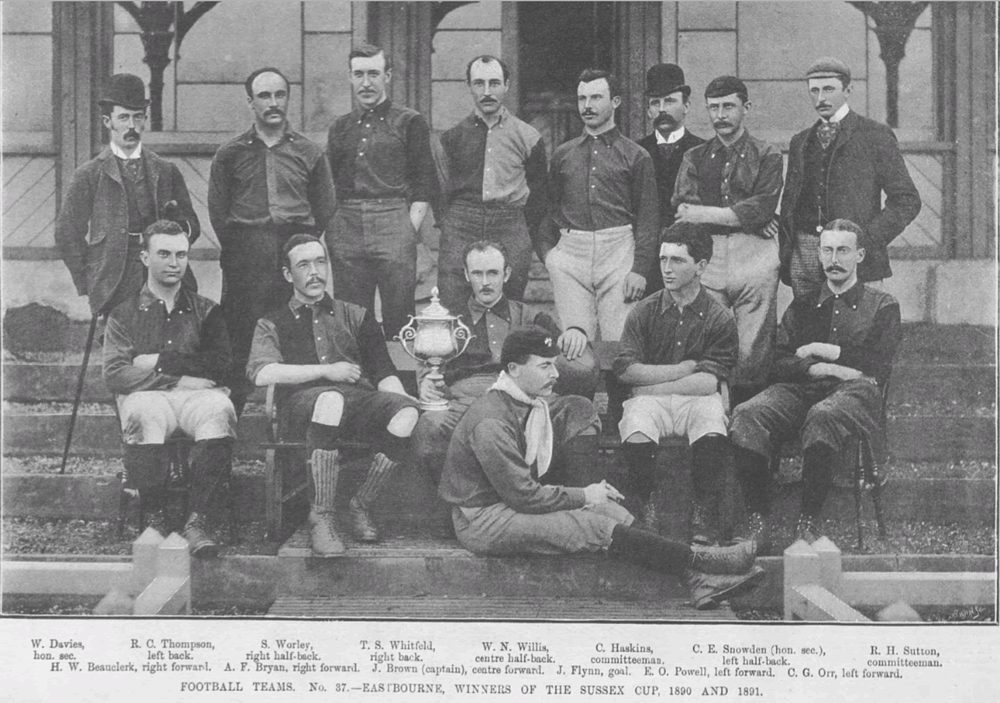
(79, 390)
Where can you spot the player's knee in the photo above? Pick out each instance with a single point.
(328, 409)
(403, 422)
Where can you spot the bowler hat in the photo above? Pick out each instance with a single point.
(828, 67)
(666, 78)
(126, 90)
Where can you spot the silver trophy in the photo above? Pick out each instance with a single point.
(436, 337)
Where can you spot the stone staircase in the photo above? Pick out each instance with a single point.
(941, 412)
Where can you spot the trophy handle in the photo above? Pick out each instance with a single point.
(463, 333)
(408, 334)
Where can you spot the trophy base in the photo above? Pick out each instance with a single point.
(434, 406)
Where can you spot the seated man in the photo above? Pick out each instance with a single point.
(677, 347)
(500, 454)
(340, 382)
(491, 315)
(835, 349)
(166, 351)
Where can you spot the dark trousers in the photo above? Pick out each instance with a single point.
(465, 223)
(373, 245)
(252, 285)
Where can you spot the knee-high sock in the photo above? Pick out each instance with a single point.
(324, 468)
(817, 477)
(321, 436)
(641, 460)
(378, 473)
(210, 465)
(708, 457)
(146, 466)
(754, 473)
(649, 550)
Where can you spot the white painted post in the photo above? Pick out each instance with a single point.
(830, 565)
(801, 566)
(144, 555)
(170, 591)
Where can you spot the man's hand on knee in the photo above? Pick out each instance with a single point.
(599, 493)
(635, 286)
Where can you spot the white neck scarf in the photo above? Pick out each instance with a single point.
(538, 430)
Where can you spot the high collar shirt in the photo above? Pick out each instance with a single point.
(675, 136)
(501, 165)
(602, 182)
(325, 332)
(840, 114)
(120, 153)
(253, 185)
(750, 181)
(382, 152)
(490, 327)
(658, 332)
(191, 340)
(863, 322)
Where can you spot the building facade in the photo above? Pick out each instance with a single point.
(930, 74)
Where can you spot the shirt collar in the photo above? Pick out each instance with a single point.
(379, 110)
(608, 138)
(296, 305)
(717, 145)
(251, 136)
(502, 114)
(839, 114)
(675, 136)
(699, 306)
(852, 296)
(501, 309)
(117, 151)
(147, 299)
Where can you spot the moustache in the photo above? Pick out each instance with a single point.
(316, 279)
(664, 119)
(589, 113)
(722, 123)
(487, 100)
(131, 134)
(273, 111)
(835, 269)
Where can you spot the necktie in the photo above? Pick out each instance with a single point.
(827, 132)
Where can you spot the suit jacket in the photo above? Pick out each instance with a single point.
(92, 227)
(865, 163)
(666, 177)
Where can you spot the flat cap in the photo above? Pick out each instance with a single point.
(726, 85)
(526, 341)
(828, 67)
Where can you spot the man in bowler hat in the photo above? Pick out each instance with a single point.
(114, 197)
(667, 104)
(839, 168)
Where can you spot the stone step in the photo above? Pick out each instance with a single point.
(938, 385)
(412, 503)
(911, 438)
(492, 608)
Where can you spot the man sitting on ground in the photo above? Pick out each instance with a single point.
(498, 459)
(835, 350)
(166, 351)
(339, 382)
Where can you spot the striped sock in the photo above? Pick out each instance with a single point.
(378, 473)
(324, 469)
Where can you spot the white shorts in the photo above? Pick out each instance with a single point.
(658, 416)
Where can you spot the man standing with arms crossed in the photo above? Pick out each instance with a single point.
(497, 184)
(667, 103)
(839, 168)
(385, 177)
(601, 240)
(731, 185)
(265, 185)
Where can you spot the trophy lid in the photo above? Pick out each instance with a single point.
(435, 311)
